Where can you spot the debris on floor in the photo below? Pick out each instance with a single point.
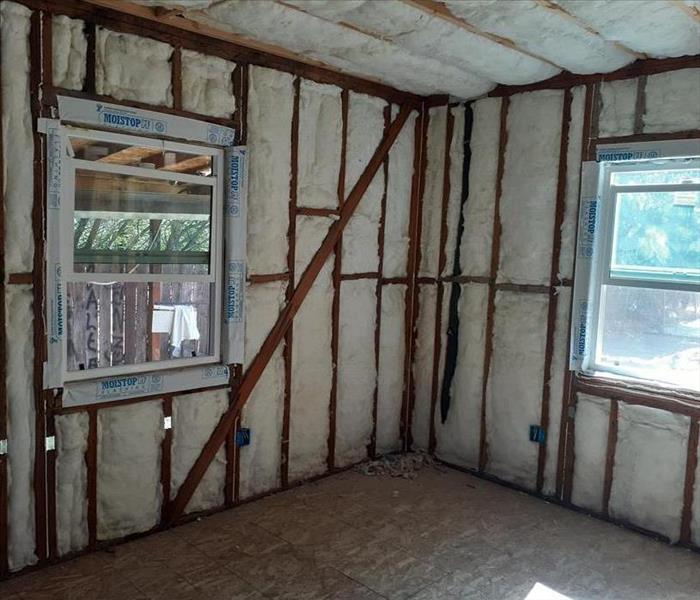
(405, 466)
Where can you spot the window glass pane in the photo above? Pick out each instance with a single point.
(668, 176)
(134, 323)
(651, 334)
(147, 155)
(657, 235)
(128, 224)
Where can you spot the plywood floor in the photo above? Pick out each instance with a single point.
(442, 536)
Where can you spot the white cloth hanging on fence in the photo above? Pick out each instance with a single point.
(184, 327)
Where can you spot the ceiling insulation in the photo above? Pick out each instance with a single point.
(459, 47)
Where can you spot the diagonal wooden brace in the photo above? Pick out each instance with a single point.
(255, 371)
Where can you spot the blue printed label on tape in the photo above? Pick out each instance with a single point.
(56, 333)
(235, 180)
(582, 334)
(621, 154)
(219, 135)
(234, 291)
(125, 118)
(217, 372)
(587, 227)
(119, 387)
(54, 172)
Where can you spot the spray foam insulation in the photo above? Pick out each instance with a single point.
(357, 374)
(392, 350)
(458, 437)
(20, 424)
(398, 199)
(617, 107)
(262, 413)
(194, 418)
(590, 443)
(454, 199)
(69, 51)
(207, 84)
(71, 482)
(17, 134)
(129, 493)
(432, 196)
(270, 105)
(130, 67)
(312, 367)
(475, 251)
(361, 235)
(529, 187)
(649, 472)
(514, 391)
(320, 142)
(673, 101)
(558, 368)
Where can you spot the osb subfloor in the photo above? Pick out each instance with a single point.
(442, 536)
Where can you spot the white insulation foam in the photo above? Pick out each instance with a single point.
(207, 84)
(361, 235)
(458, 438)
(194, 418)
(573, 173)
(18, 176)
(129, 493)
(20, 425)
(475, 252)
(673, 101)
(398, 199)
(312, 366)
(649, 472)
(69, 52)
(558, 368)
(530, 186)
(454, 200)
(590, 447)
(357, 374)
(270, 102)
(514, 392)
(320, 142)
(617, 106)
(392, 352)
(131, 67)
(431, 217)
(71, 482)
(262, 413)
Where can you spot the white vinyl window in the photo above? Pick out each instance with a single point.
(142, 267)
(646, 282)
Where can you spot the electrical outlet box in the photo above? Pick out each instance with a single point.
(243, 437)
(537, 434)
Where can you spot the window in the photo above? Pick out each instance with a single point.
(647, 273)
(142, 269)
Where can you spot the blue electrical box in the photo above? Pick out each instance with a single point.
(243, 437)
(537, 434)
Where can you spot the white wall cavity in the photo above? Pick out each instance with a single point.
(194, 418)
(260, 461)
(129, 493)
(573, 172)
(454, 200)
(672, 101)
(207, 84)
(458, 438)
(20, 425)
(514, 392)
(361, 235)
(398, 199)
(17, 135)
(270, 104)
(618, 100)
(590, 448)
(423, 365)
(131, 67)
(71, 481)
(557, 372)
(312, 367)
(475, 252)
(392, 345)
(649, 472)
(431, 217)
(530, 187)
(69, 52)
(320, 143)
(357, 374)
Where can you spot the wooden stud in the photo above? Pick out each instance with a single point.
(640, 105)
(89, 86)
(91, 465)
(495, 253)
(317, 212)
(691, 467)
(240, 91)
(649, 137)
(610, 455)
(166, 457)
(358, 276)
(268, 278)
(176, 77)
(51, 456)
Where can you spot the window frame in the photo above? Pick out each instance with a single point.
(602, 263)
(69, 166)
